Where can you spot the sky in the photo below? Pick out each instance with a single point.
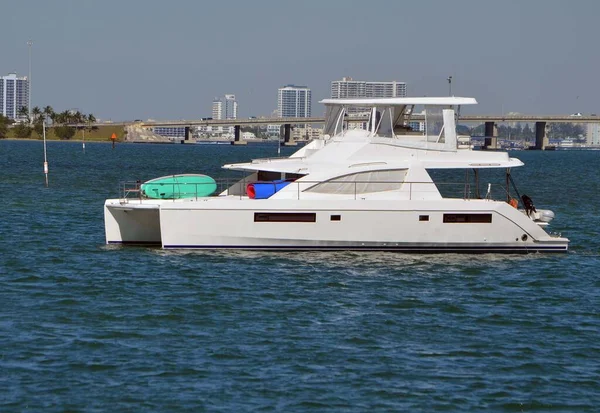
(140, 59)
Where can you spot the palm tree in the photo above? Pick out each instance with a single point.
(49, 113)
(63, 117)
(62, 127)
(36, 114)
(23, 113)
(78, 117)
(91, 119)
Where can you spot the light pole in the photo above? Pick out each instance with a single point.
(449, 85)
(29, 44)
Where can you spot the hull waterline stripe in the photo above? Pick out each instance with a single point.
(418, 249)
(133, 242)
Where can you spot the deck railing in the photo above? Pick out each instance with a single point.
(130, 191)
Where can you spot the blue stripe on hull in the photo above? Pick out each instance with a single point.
(412, 249)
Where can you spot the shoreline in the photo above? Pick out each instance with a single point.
(57, 140)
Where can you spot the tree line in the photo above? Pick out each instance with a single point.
(4, 124)
(64, 124)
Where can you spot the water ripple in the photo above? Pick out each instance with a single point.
(90, 327)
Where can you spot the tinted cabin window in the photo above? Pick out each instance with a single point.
(362, 182)
(285, 217)
(423, 217)
(336, 217)
(268, 176)
(467, 218)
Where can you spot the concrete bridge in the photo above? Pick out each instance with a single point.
(490, 121)
(541, 125)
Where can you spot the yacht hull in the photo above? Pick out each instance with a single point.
(402, 226)
(132, 223)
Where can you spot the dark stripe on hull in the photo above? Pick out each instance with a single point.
(412, 249)
(134, 243)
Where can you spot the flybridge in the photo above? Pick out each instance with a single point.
(441, 101)
(391, 117)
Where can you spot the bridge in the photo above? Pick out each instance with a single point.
(541, 122)
(415, 117)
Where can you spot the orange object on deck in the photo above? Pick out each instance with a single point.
(114, 136)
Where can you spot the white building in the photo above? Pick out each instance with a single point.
(170, 132)
(294, 102)
(224, 109)
(593, 134)
(231, 107)
(307, 133)
(350, 88)
(217, 109)
(14, 94)
(273, 130)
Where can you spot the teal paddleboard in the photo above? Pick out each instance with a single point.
(179, 186)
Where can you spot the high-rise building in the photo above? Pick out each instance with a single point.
(14, 94)
(231, 107)
(350, 88)
(217, 109)
(226, 109)
(294, 102)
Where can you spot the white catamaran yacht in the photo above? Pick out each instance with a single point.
(366, 185)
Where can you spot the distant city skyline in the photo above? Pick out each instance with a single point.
(148, 59)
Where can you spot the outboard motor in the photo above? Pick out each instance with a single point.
(545, 215)
(542, 217)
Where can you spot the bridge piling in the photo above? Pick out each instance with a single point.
(541, 137)
(491, 136)
(287, 135)
(188, 135)
(237, 140)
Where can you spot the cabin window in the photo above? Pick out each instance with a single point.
(268, 176)
(362, 182)
(434, 123)
(334, 119)
(336, 217)
(383, 119)
(467, 218)
(423, 217)
(285, 217)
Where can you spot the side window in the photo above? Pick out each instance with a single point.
(362, 182)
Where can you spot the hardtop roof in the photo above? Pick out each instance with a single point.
(443, 101)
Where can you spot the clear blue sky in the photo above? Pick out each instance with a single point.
(139, 59)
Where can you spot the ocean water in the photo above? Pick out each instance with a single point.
(86, 327)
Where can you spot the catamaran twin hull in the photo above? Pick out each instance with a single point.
(453, 225)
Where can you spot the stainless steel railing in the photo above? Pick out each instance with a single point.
(132, 190)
